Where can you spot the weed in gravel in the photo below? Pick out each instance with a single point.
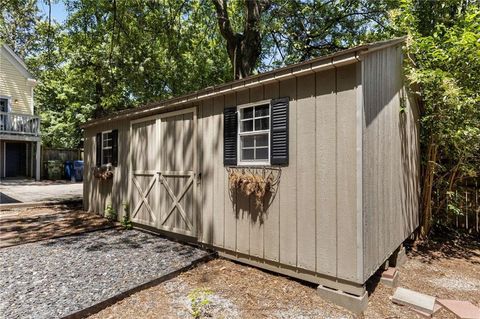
(199, 301)
(126, 222)
(110, 213)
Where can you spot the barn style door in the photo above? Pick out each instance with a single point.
(144, 185)
(163, 179)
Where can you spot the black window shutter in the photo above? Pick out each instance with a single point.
(98, 142)
(230, 126)
(279, 131)
(115, 147)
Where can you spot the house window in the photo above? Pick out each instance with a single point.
(254, 134)
(4, 104)
(107, 143)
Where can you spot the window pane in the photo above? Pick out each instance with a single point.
(247, 126)
(107, 156)
(3, 105)
(107, 139)
(247, 154)
(247, 113)
(262, 124)
(261, 153)
(248, 141)
(261, 110)
(261, 140)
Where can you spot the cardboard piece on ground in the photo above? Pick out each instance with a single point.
(413, 299)
(461, 309)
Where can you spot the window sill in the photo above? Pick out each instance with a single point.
(253, 164)
(254, 167)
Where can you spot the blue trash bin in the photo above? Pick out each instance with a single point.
(68, 170)
(78, 168)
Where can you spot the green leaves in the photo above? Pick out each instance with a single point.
(443, 59)
(111, 55)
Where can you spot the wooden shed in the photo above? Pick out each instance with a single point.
(336, 136)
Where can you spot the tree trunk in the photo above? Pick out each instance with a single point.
(427, 190)
(244, 48)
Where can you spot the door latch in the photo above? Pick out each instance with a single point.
(199, 178)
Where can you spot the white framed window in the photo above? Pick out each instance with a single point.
(107, 150)
(253, 141)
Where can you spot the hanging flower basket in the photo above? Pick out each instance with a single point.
(257, 182)
(103, 173)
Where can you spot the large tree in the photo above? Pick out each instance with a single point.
(18, 20)
(244, 47)
(443, 66)
(261, 34)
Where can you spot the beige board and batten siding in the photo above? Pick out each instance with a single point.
(391, 157)
(15, 85)
(310, 226)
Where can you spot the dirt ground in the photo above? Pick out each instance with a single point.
(25, 225)
(230, 290)
(448, 269)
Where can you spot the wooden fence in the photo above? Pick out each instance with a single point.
(461, 207)
(58, 154)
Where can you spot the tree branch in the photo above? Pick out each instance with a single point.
(224, 20)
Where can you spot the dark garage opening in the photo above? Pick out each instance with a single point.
(16, 160)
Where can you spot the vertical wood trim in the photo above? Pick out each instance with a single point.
(197, 208)
(130, 168)
(243, 201)
(255, 214)
(346, 173)
(326, 145)
(305, 190)
(219, 174)
(208, 159)
(271, 240)
(359, 164)
(288, 198)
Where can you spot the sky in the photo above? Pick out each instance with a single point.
(59, 12)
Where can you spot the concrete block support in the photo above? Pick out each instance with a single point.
(356, 304)
(390, 280)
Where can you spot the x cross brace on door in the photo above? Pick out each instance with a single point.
(177, 199)
(144, 196)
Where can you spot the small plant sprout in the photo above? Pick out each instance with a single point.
(110, 213)
(199, 302)
(126, 222)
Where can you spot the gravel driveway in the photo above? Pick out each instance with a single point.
(54, 278)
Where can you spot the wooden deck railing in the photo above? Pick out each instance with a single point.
(22, 124)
